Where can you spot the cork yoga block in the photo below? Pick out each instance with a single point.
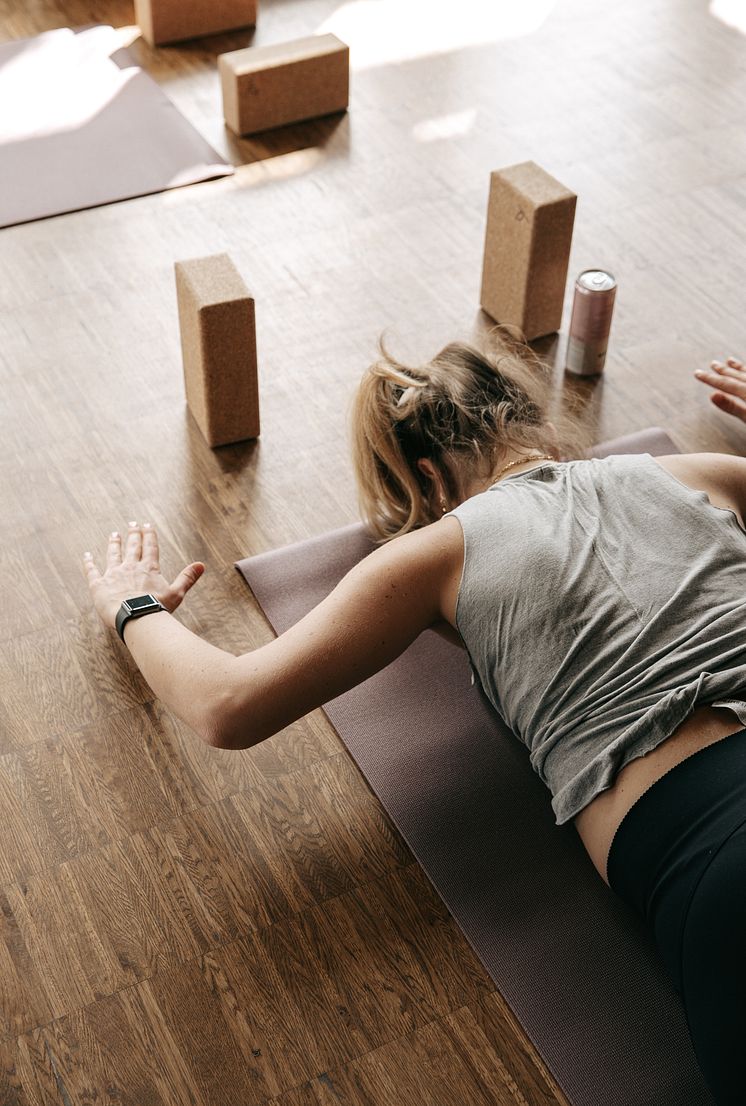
(270, 86)
(218, 345)
(163, 21)
(530, 218)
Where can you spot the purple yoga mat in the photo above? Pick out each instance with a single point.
(573, 962)
(83, 128)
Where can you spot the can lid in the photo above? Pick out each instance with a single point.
(596, 280)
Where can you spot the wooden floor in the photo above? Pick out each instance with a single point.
(186, 926)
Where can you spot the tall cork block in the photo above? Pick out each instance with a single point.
(218, 345)
(530, 218)
(271, 86)
(163, 21)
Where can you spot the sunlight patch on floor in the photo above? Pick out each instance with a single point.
(730, 12)
(384, 31)
(59, 81)
(444, 126)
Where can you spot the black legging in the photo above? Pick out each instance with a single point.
(679, 859)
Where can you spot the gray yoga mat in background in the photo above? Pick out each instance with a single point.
(82, 125)
(573, 962)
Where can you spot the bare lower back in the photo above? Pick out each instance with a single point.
(598, 822)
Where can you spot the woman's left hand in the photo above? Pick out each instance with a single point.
(135, 570)
(729, 382)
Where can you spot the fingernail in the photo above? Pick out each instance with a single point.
(115, 533)
(146, 525)
(699, 372)
(716, 365)
(87, 554)
(133, 524)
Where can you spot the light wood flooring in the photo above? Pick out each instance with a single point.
(185, 926)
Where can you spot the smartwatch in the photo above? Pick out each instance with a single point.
(136, 608)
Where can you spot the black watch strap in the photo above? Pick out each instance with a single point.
(136, 608)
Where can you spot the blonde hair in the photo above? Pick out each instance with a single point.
(462, 410)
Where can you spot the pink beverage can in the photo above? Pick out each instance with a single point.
(590, 322)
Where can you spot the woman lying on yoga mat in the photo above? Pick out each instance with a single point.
(603, 607)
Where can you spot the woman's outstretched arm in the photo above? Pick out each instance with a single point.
(369, 619)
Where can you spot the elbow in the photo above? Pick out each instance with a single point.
(217, 738)
(224, 729)
(237, 718)
(220, 734)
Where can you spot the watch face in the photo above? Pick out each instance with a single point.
(140, 602)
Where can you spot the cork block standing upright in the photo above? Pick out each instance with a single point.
(270, 86)
(163, 21)
(527, 243)
(218, 344)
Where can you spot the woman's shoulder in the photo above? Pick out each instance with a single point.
(426, 562)
(721, 476)
(720, 465)
(426, 552)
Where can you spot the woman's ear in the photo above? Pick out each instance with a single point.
(435, 492)
(427, 467)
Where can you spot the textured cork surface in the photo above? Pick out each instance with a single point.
(530, 217)
(218, 343)
(533, 183)
(163, 21)
(271, 86)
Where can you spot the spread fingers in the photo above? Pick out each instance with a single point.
(725, 380)
(731, 404)
(133, 548)
(150, 550)
(114, 549)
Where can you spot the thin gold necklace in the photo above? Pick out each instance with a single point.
(521, 461)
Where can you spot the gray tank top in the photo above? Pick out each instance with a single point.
(599, 601)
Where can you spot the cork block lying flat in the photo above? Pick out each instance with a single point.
(530, 218)
(218, 345)
(270, 86)
(163, 21)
